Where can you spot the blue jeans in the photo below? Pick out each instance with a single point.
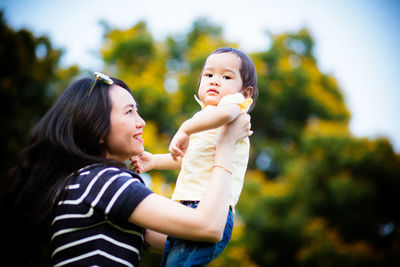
(185, 253)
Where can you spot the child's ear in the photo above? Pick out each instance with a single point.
(248, 92)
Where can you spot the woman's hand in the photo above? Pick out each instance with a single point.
(236, 130)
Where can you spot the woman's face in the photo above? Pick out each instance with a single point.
(125, 137)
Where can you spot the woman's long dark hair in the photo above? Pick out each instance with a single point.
(66, 139)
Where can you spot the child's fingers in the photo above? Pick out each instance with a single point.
(137, 169)
(175, 155)
(174, 150)
(133, 159)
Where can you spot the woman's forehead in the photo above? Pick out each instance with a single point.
(121, 97)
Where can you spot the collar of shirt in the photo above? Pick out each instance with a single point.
(199, 101)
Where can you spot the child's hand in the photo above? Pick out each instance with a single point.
(143, 162)
(179, 144)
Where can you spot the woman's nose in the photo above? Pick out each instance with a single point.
(140, 123)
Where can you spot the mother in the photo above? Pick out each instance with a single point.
(72, 189)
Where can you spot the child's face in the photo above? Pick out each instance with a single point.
(221, 77)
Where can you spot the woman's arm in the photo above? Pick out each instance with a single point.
(207, 221)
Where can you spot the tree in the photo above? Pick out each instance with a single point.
(29, 67)
(333, 200)
(314, 195)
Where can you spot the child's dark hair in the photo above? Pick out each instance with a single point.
(247, 70)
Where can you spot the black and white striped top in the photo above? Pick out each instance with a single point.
(91, 223)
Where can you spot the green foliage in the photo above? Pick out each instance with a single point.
(339, 188)
(292, 89)
(29, 66)
(314, 195)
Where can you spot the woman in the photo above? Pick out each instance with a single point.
(71, 179)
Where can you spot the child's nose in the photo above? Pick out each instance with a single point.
(215, 81)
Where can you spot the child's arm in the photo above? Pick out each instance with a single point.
(204, 120)
(147, 161)
(211, 118)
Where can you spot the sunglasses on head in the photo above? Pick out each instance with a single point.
(101, 77)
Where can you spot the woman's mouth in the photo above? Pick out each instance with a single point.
(139, 137)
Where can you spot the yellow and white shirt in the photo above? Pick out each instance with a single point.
(197, 163)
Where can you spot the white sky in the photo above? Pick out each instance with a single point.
(356, 40)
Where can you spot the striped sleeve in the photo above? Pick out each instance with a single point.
(91, 224)
(131, 192)
(123, 191)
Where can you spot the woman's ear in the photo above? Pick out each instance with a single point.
(248, 92)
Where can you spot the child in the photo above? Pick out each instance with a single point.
(227, 88)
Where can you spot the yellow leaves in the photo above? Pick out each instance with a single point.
(117, 36)
(317, 127)
(234, 253)
(332, 81)
(151, 77)
(324, 240)
(233, 256)
(175, 101)
(309, 65)
(238, 229)
(204, 45)
(153, 141)
(326, 99)
(160, 186)
(261, 66)
(276, 188)
(275, 87)
(289, 63)
(284, 64)
(257, 179)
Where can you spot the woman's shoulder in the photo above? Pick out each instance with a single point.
(107, 171)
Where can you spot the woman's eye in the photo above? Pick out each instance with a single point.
(129, 111)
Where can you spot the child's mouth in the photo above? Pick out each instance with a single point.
(213, 91)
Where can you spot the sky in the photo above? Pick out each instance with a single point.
(357, 41)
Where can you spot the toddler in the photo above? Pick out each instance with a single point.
(227, 88)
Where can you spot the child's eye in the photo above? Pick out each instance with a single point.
(227, 77)
(209, 75)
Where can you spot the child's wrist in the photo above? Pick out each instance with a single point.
(152, 162)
